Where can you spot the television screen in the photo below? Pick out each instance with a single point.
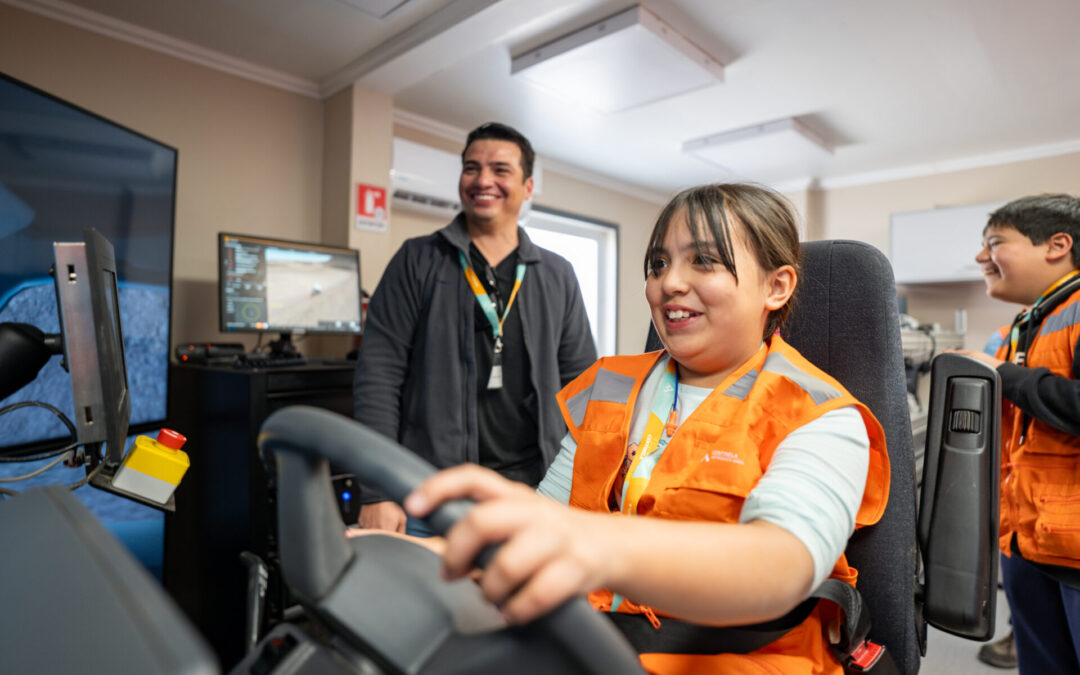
(64, 169)
(287, 286)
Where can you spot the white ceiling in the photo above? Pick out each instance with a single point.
(899, 87)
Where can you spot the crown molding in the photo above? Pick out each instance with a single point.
(159, 42)
(952, 165)
(430, 126)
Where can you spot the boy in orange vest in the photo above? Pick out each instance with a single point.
(1030, 256)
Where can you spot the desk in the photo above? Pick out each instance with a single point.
(226, 502)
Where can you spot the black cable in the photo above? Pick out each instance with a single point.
(45, 455)
(48, 455)
(36, 472)
(54, 410)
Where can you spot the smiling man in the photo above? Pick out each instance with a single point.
(471, 333)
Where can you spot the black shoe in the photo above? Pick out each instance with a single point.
(1000, 654)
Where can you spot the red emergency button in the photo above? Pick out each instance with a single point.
(171, 439)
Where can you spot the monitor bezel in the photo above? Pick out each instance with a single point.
(296, 330)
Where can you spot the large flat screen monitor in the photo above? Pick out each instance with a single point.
(64, 169)
(287, 286)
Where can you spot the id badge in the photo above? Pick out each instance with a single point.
(495, 381)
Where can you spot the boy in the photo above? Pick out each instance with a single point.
(1031, 256)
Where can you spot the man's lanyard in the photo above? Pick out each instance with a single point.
(1017, 351)
(664, 402)
(495, 381)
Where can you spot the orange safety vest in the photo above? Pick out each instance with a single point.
(729, 441)
(1040, 477)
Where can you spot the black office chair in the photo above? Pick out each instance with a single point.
(845, 321)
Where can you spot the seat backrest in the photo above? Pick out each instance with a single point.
(845, 321)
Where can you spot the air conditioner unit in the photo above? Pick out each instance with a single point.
(426, 179)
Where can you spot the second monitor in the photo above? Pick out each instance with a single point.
(272, 285)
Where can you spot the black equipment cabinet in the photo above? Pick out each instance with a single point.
(226, 501)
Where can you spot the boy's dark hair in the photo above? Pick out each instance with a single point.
(764, 218)
(1040, 217)
(502, 132)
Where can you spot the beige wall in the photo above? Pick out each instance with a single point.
(250, 156)
(862, 212)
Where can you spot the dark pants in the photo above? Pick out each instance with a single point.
(1045, 619)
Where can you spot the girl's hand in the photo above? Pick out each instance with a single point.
(549, 554)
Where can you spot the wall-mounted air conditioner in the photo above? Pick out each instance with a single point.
(426, 179)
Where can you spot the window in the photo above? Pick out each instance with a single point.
(591, 247)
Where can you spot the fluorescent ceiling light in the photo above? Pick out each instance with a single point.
(774, 151)
(624, 61)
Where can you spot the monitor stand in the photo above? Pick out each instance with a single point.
(283, 347)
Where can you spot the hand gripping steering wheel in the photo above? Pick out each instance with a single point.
(343, 581)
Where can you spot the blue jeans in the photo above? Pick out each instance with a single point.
(1045, 619)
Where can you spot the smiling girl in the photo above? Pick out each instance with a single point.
(716, 481)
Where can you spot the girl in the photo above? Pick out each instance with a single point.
(738, 468)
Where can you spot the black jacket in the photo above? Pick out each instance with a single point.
(416, 375)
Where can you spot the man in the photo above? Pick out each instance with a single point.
(471, 333)
(1031, 256)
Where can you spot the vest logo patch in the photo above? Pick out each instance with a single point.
(722, 456)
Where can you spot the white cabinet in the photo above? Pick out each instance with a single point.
(938, 245)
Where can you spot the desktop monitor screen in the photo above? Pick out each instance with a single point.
(62, 170)
(287, 286)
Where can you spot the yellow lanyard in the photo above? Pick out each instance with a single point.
(482, 297)
(664, 403)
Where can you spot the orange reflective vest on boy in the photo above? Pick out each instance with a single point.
(710, 465)
(1040, 465)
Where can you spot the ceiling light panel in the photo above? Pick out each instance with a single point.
(780, 150)
(624, 61)
(379, 9)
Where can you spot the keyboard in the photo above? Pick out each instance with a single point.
(267, 361)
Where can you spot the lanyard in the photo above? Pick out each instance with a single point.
(1019, 355)
(488, 307)
(664, 402)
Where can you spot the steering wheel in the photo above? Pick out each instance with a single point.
(331, 574)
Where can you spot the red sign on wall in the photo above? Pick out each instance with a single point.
(371, 207)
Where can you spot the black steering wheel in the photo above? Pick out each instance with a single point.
(354, 585)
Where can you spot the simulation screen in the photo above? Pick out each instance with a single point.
(63, 169)
(271, 285)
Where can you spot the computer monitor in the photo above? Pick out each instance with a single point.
(272, 285)
(64, 169)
